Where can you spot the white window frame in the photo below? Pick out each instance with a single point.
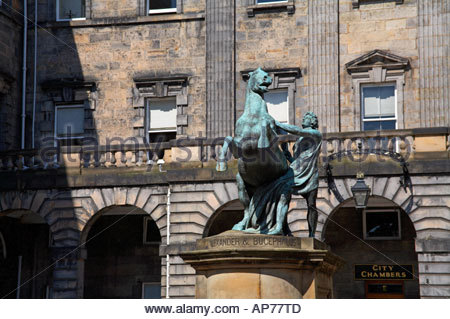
(168, 10)
(156, 283)
(362, 105)
(73, 19)
(283, 89)
(3, 244)
(144, 232)
(271, 2)
(399, 237)
(149, 100)
(58, 106)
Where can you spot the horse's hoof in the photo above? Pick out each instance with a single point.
(221, 166)
(238, 226)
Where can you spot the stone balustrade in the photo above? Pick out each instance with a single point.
(408, 143)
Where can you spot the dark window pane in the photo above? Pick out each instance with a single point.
(372, 125)
(71, 9)
(387, 125)
(152, 291)
(163, 4)
(382, 224)
(379, 125)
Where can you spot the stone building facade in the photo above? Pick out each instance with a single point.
(111, 216)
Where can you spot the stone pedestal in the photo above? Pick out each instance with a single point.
(240, 265)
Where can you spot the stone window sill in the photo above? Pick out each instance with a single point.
(157, 18)
(287, 6)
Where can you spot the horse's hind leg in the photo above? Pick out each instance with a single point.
(245, 200)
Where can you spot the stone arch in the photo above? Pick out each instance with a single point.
(24, 245)
(344, 232)
(349, 201)
(99, 201)
(91, 248)
(23, 200)
(224, 218)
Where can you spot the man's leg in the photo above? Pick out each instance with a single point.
(312, 212)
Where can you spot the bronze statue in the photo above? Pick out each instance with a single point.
(266, 181)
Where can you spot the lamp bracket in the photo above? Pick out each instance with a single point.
(405, 180)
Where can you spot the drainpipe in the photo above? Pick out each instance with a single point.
(34, 73)
(24, 71)
(168, 243)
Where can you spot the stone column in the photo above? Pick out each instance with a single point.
(323, 63)
(433, 45)
(220, 68)
(65, 273)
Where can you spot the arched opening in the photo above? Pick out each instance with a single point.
(24, 254)
(122, 244)
(378, 247)
(224, 218)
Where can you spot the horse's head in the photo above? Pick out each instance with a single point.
(259, 81)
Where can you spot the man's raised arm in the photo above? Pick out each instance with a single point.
(297, 130)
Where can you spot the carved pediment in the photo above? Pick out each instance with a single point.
(72, 90)
(377, 59)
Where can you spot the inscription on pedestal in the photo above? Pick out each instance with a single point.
(261, 241)
(235, 239)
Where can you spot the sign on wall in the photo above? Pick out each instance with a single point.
(377, 272)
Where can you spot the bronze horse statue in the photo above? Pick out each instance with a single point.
(265, 180)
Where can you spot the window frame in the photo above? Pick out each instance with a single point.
(73, 19)
(282, 89)
(161, 11)
(285, 78)
(148, 102)
(375, 210)
(362, 105)
(156, 283)
(72, 105)
(270, 2)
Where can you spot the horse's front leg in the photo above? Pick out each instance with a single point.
(221, 165)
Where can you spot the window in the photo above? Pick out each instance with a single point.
(378, 107)
(162, 119)
(69, 123)
(161, 6)
(280, 98)
(381, 224)
(151, 290)
(262, 6)
(151, 232)
(378, 78)
(269, 1)
(278, 105)
(67, 10)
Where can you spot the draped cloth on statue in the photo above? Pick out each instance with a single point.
(300, 179)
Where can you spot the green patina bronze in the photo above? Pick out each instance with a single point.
(269, 175)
